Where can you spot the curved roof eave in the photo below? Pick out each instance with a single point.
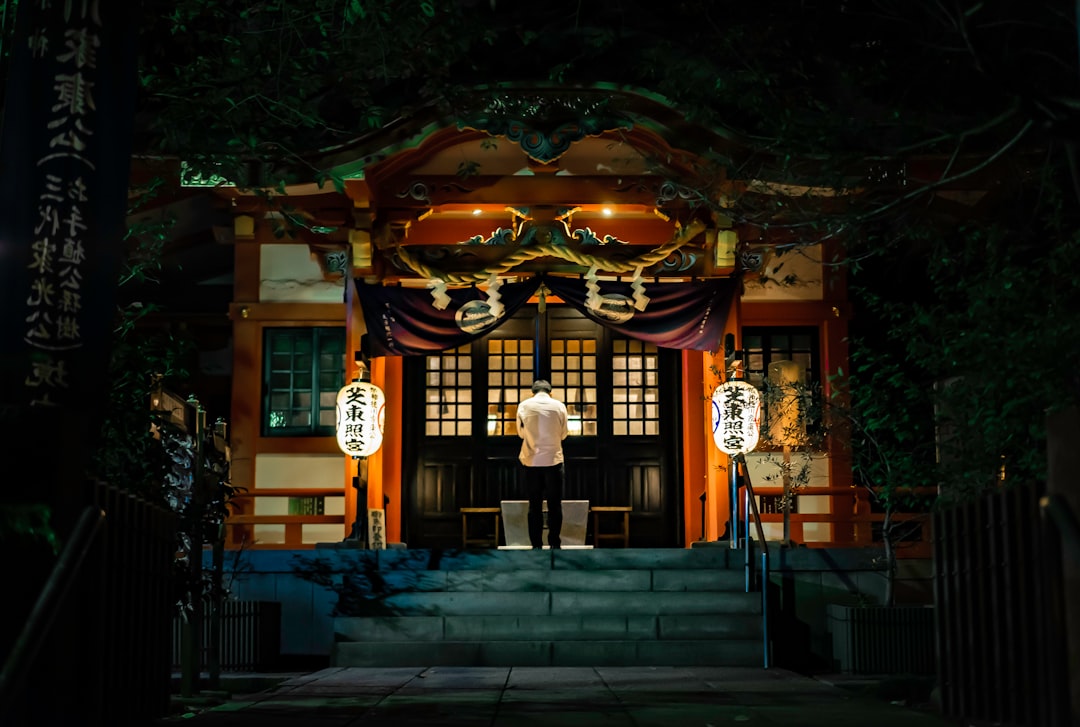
(644, 108)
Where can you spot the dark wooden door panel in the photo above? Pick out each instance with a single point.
(643, 481)
(443, 474)
(501, 482)
(584, 480)
(439, 484)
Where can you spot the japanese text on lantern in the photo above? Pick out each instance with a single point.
(736, 417)
(360, 417)
(58, 251)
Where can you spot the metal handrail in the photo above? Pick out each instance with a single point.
(752, 507)
(49, 604)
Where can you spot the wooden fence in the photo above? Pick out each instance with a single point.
(134, 572)
(250, 636)
(98, 636)
(1000, 621)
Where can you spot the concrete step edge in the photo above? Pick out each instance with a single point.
(551, 653)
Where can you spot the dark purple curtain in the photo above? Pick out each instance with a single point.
(677, 315)
(405, 321)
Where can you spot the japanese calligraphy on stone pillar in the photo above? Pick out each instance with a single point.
(56, 290)
(66, 155)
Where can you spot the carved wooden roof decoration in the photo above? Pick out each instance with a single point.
(526, 182)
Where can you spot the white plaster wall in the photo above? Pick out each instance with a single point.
(289, 273)
(804, 264)
(299, 470)
(328, 533)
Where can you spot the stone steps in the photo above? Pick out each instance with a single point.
(708, 652)
(549, 580)
(547, 628)
(598, 607)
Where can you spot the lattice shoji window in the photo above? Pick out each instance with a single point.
(573, 382)
(635, 388)
(764, 345)
(448, 394)
(510, 366)
(304, 368)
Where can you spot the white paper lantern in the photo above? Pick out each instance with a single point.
(361, 415)
(736, 418)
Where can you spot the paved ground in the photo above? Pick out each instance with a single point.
(538, 696)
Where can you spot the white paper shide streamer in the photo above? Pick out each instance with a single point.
(593, 300)
(438, 293)
(494, 300)
(638, 286)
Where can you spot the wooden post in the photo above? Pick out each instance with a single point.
(360, 482)
(1063, 462)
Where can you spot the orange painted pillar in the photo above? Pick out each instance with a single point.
(695, 448)
(354, 328)
(705, 468)
(384, 467)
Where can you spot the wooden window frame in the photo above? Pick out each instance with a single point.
(770, 352)
(320, 337)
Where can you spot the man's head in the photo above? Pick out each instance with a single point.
(541, 385)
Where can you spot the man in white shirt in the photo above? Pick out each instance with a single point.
(541, 424)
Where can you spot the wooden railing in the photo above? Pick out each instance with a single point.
(852, 527)
(860, 518)
(239, 528)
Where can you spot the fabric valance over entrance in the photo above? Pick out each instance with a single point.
(672, 315)
(407, 321)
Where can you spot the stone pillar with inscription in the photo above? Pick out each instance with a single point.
(64, 161)
(65, 155)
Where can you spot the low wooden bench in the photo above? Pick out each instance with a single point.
(624, 532)
(466, 540)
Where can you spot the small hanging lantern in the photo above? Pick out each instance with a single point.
(736, 418)
(361, 416)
